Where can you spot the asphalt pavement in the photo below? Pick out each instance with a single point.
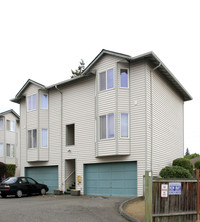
(51, 208)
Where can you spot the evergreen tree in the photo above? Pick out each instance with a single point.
(80, 69)
(187, 153)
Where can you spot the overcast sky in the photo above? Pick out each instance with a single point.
(43, 40)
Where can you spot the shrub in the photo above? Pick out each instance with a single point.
(191, 156)
(2, 171)
(10, 170)
(197, 164)
(182, 162)
(175, 172)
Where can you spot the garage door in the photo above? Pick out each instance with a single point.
(111, 179)
(46, 175)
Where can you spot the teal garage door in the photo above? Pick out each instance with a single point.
(46, 175)
(111, 179)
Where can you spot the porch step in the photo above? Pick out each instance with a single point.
(68, 191)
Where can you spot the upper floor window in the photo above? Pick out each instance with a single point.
(70, 134)
(44, 101)
(107, 80)
(32, 138)
(1, 124)
(10, 150)
(124, 78)
(124, 125)
(107, 126)
(32, 102)
(1, 149)
(44, 138)
(11, 125)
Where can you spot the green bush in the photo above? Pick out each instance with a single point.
(185, 163)
(191, 156)
(197, 164)
(175, 172)
(10, 170)
(2, 171)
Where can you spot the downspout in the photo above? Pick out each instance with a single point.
(61, 129)
(151, 102)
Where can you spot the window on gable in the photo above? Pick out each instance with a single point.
(107, 126)
(124, 78)
(1, 124)
(70, 135)
(124, 125)
(1, 149)
(32, 102)
(11, 125)
(44, 101)
(44, 138)
(32, 138)
(107, 80)
(10, 150)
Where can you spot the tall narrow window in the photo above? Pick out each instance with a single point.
(32, 138)
(11, 125)
(70, 134)
(124, 78)
(32, 102)
(44, 140)
(107, 80)
(1, 124)
(124, 125)
(44, 101)
(10, 150)
(107, 126)
(1, 149)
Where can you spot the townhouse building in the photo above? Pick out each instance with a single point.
(102, 130)
(10, 138)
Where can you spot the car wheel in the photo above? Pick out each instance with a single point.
(3, 195)
(19, 193)
(43, 191)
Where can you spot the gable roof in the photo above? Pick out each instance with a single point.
(150, 56)
(194, 160)
(10, 111)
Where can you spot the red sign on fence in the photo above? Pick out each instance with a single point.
(164, 190)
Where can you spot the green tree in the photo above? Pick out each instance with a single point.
(191, 156)
(80, 69)
(187, 153)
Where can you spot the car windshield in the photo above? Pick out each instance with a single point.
(10, 180)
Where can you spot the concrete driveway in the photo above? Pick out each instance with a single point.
(51, 208)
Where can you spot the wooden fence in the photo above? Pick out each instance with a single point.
(174, 208)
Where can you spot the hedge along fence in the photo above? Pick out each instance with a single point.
(7, 170)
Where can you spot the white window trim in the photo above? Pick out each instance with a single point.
(31, 102)
(13, 156)
(106, 127)
(2, 124)
(45, 147)
(32, 139)
(120, 78)
(123, 137)
(41, 101)
(106, 71)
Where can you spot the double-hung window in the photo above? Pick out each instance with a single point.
(44, 101)
(1, 149)
(107, 80)
(124, 125)
(44, 138)
(1, 124)
(32, 102)
(11, 125)
(107, 126)
(124, 78)
(32, 138)
(10, 150)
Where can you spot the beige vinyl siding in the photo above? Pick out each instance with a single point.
(167, 124)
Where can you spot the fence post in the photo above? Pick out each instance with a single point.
(197, 176)
(148, 196)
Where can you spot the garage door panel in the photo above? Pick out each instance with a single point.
(45, 175)
(112, 179)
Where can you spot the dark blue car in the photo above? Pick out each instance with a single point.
(21, 185)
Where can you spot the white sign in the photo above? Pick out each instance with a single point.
(164, 190)
(174, 188)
